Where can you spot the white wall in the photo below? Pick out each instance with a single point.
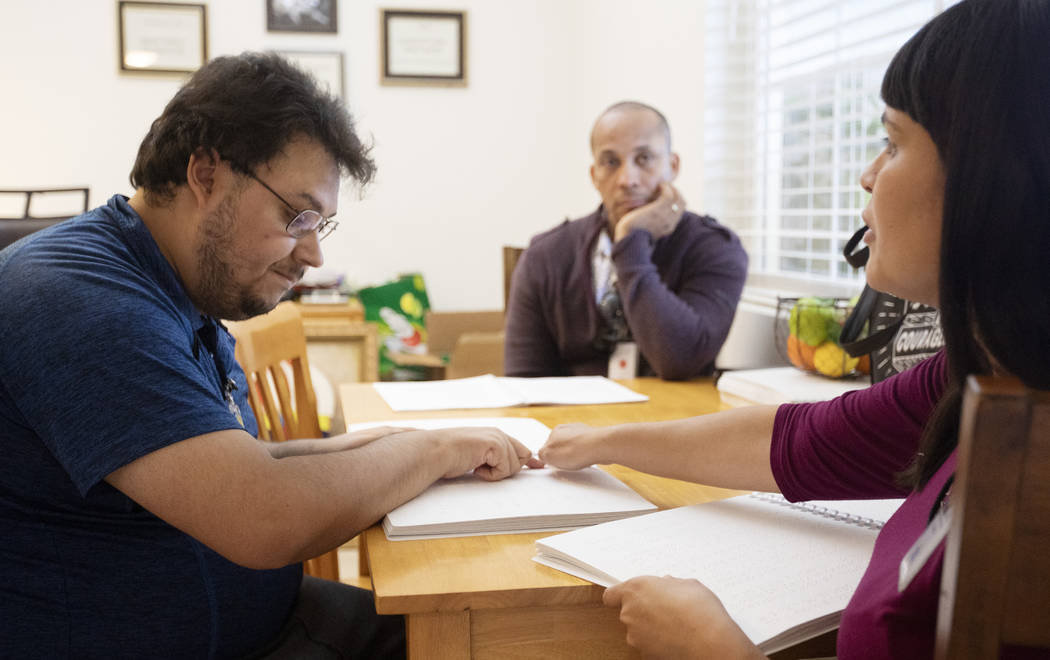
(461, 171)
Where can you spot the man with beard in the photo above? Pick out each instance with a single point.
(640, 286)
(141, 516)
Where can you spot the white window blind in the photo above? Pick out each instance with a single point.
(792, 118)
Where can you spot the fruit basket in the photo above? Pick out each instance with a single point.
(807, 335)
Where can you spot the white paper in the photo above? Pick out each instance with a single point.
(784, 385)
(489, 391)
(774, 567)
(533, 500)
(571, 390)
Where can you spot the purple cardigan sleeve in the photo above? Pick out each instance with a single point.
(680, 332)
(529, 348)
(853, 446)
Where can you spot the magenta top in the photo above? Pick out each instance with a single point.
(852, 447)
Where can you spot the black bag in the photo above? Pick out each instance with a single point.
(900, 333)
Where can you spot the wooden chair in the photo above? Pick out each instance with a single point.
(264, 344)
(476, 354)
(511, 255)
(995, 585)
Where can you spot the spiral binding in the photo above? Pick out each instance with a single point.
(822, 511)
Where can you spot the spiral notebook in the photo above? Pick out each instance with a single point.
(783, 571)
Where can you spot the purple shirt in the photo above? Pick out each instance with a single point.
(679, 294)
(852, 447)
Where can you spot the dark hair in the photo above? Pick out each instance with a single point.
(976, 78)
(247, 107)
(635, 106)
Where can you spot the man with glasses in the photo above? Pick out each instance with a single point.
(638, 287)
(140, 516)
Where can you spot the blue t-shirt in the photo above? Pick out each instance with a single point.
(102, 362)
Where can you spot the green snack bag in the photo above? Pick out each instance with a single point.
(397, 309)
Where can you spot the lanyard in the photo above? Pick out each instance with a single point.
(923, 548)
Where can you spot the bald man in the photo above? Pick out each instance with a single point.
(641, 286)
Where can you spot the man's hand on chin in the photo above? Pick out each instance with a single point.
(659, 217)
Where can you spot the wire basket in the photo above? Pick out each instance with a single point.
(807, 335)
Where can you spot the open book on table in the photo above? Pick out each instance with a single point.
(783, 571)
(530, 501)
(489, 391)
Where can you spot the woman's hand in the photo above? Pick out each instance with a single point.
(572, 446)
(674, 618)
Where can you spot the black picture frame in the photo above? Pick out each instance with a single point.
(161, 37)
(289, 16)
(423, 47)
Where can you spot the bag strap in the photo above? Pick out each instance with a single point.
(859, 258)
(861, 313)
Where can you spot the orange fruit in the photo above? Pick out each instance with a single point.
(864, 366)
(800, 353)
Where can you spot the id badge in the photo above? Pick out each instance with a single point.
(623, 363)
(920, 552)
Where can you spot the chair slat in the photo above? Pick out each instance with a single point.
(264, 344)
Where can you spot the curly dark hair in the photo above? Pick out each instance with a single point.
(246, 107)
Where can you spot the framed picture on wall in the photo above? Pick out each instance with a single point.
(423, 47)
(326, 66)
(162, 37)
(301, 16)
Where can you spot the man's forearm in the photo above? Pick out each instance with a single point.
(227, 491)
(679, 331)
(340, 442)
(336, 495)
(304, 447)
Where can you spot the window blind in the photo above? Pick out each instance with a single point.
(792, 119)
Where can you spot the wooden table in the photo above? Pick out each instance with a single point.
(482, 597)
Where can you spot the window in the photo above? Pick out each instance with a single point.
(792, 118)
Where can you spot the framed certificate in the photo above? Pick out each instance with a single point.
(423, 47)
(326, 66)
(162, 37)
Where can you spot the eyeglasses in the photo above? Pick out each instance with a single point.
(305, 221)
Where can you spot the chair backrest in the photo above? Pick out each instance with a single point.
(995, 586)
(25, 211)
(511, 255)
(444, 328)
(264, 345)
(476, 354)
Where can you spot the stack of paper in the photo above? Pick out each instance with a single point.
(531, 501)
(785, 385)
(784, 572)
(488, 391)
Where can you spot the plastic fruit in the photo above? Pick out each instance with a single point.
(809, 320)
(830, 360)
(800, 353)
(864, 364)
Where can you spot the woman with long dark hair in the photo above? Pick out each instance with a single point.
(959, 218)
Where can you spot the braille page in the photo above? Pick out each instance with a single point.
(532, 500)
(777, 568)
